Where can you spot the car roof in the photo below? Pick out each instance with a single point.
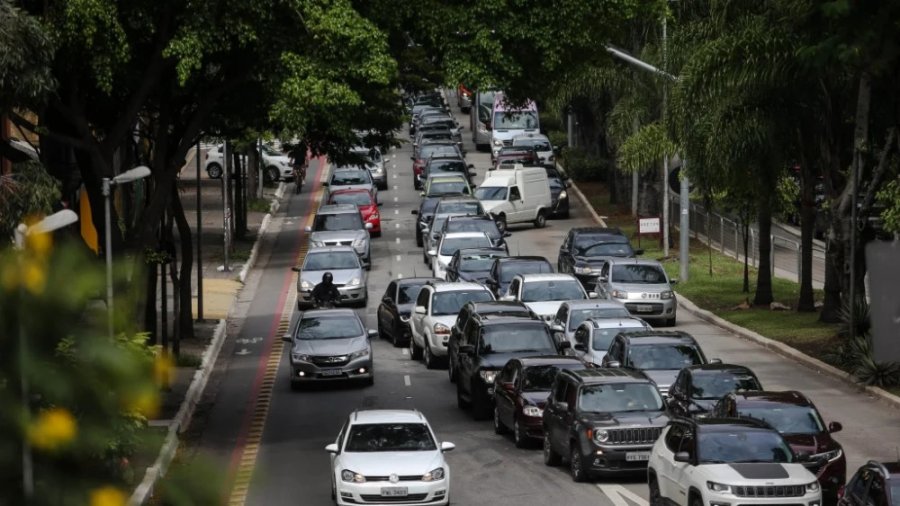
(642, 337)
(540, 360)
(547, 276)
(596, 230)
(347, 168)
(387, 416)
(338, 208)
(490, 320)
(791, 397)
(463, 235)
(456, 286)
(330, 249)
(469, 217)
(633, 261)
(412, 281)
(593, 304)
(319, 313)
(716, 424)
(608, 323)
(608, 375)
(526, 258)
(489, 306)
(340, 190)
(530, 136)
(446, 177)
(719, 368)
(468, 198)
(476, 251)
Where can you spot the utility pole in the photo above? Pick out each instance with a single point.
(199, 239)
(226, 198)
(665, 186)
(570, 126)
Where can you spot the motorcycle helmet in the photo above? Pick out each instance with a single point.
(327, 277)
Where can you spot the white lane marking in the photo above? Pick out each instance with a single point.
(395, 176)
(398, 225)
(398, 240)
(406, 380)
(617, 495)
(404, 351)
(399, 275)
(399, 258)
(396, 211)
(396, 200)
(395, 187)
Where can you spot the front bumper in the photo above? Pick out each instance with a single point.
(438, 344)
(419, 493)
(376, 225)
(532, 426)
(618, 458)
(723, 499)
(308, 372)
(379, 178)
(651, 309)
(348, 295)
(560, 207)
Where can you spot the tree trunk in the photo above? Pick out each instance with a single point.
(807, 302)
(185, 321)
(831, 306)
(764, 273)
(150, 313)
(745, 237)
(252, 171)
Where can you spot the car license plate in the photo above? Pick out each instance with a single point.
(331, 372)
(637, 456)
(643, 308)
(394, 491)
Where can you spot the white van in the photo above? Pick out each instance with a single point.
(508, 122)
(516, 195)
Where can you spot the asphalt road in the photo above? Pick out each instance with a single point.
(273, 439)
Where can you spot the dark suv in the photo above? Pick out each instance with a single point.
(659, 354)
(801, 425)
(874, 483)
(585, 250)
(602, 420)
(505, 269)
(472, 311)
(487, 344)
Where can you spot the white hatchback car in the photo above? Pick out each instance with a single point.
(449, 244)
(389, 457)
(545, 293)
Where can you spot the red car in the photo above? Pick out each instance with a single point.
(364, 200)
(517, 154)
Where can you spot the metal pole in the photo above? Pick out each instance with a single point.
(722, 233)
(666, 157)
(106, 190)
(854, 177)
(772, 253)
(259, 169)
(199, 242)
(635, 177)
(226, 194)
(27, 466)
(570, 127)
(685, 226)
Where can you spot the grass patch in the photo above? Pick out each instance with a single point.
(189, 360)
(240, 252)
(717, 286)
(259, 205)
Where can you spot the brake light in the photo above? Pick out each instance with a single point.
(840, 493)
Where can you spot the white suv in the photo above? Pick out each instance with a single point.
(726, 462)
(436, 309)
(277, 165)
(389, 456)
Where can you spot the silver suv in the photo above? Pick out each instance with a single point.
(642, 285)
(341, 225)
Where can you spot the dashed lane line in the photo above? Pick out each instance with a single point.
(406, 380)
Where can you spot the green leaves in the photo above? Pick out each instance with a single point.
(26, 50)
(646, 148)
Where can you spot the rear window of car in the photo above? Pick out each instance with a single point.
(339, 221)
(530, 337)
(639, 274)
(355, 198)
(486, 226)
(348, 177)
(449, 303)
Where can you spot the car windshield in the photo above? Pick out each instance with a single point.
(537, 144)
(449, 303)
(576, 316)
(448, 166)
(787, 419)
(638, 274)
(350, 177)
(539, 378)
(389, 437)
(717, 385)
(605, 249)
(460, 207)
(518, 120)
(331, 260)
(663, 356)
(361, 198)
(451, 244)
(508, 271)
(328, 327)
(486, 226)
(731, 447)
(537, 291)
(491, 193)
(603, 337)
(408, 294)
(340, 221)
(618, 397)
(531, 337)
(477, 263)
(447, 188)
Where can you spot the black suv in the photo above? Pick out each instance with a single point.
(487, 344)
(585, 250)
(698, 387)
(874, 483)
(472, 311)
(660, 355)
(603, 420)
(505, 269)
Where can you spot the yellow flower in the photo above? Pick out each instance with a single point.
(34, 277)
(108, 496)
(10, 276)
(146, 403)
(39, 243)
(52, 428)
(162, 369)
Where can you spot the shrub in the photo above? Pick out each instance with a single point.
(584, 166)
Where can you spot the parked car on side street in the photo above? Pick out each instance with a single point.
(520, 394)
(277, 165)
(873, 483)
(330, 345)
(389, 456)
(396, 307)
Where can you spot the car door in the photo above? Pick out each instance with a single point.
(614, 353)
(858, 488)
(568, 417)
(387, 310)
(513, 289)
(664, 474)
(683, 471)
(517, 210)
(466, 361)
(877, 495)
(504, 393)
(554, 413)
(559, 324)
(456, 333)
(602, 286)
(416, 321)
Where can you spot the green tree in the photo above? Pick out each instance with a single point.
(27, 191)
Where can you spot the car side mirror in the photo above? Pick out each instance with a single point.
(414, 211)
(421, 194)
(603, 279)
(557, 328)
(307, 229)
(579, 347)
(639, 251)
(673, 281)
(287, 338)
(296, 268)
(508, 298)
(565, 345)
(563, 406)
(592, 295)
(372, 333)
(420, 310)
(614, 363)
(467, 349)
(432, 253)
(682, 457)
(715, 361)
(326, 183)
(835, 427)
(332, 448)
(447, 446)
(368, 226)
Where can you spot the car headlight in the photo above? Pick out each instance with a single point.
(317, 244)
(666, 295)
(720, 488)
(563, 194)
(353, 282)
(359, 354)
(404, 319)
(583, 270)
(306, 285)
(812, 487)
(348, 475)
(487, 375)
(440, 328)
(532, 411)
(299, 357)
(359, 242)
(619, 294)
(498, 143)
(434, 475)
(601, 436)
(377, 169)
(829, 456)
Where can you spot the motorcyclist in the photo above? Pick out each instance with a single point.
(326, 293)
(300, 162)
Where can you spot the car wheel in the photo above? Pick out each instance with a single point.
(418, 237)
(695, 500)
(541, 220)
(415, 353)
(381, 333)
(272, 174)
(499, 428)
(551, 458)
(501, 223)
(460, 402)
(519, 435)
(655, 497)
(214, 171)
(430, 359)
(576, 464)
(481, 407)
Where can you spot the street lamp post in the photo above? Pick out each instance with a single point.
(107, 184)
(53, 222)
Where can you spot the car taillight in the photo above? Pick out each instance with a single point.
(840, 492)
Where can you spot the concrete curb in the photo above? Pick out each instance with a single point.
(786, 351)
(182, 419)
(584, 200)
